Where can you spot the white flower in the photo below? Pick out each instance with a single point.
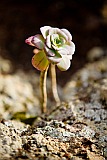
(57, 45)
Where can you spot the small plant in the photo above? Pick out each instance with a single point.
(54, 46)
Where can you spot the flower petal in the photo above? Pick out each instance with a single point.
(63, 51)
(53, 37)
(38, 41)
(44, 30)
(62, 34)
(52, 55)
(72, 47)
(55, 59)
(48, 41)
(67, 49)
(53, 31)
(49, 52)
(39, 61)
(59, 32)
(70, 56)
(55, 47)
(29, 41)
(67, 33)
(64, 64)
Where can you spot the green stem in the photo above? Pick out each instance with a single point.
(43, 77)
(54, 84)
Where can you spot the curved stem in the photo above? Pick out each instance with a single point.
(43, 77)
(54, 84)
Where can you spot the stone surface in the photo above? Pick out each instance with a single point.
(10, 140)
(5, 65)
(76, 129)
(17, 93)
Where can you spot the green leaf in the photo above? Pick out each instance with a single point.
(40, 61)
(24, 117)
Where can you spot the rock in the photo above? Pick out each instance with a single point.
(93, 156)
(10, 140)
(76, 129)
(20, 94)
(5, 65)
(96, 53)
(87, 92)
(57, 140)
(17, 95)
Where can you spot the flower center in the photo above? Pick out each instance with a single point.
(57, 40)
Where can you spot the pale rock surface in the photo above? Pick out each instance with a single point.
(76, 129)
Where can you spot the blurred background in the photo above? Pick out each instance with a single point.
(85, 19)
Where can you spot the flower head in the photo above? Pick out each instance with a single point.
(54, 46)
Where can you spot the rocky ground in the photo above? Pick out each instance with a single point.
(77, 128)
(74, 130)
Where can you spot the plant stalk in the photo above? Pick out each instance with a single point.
(43, 77)
(54, 84)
